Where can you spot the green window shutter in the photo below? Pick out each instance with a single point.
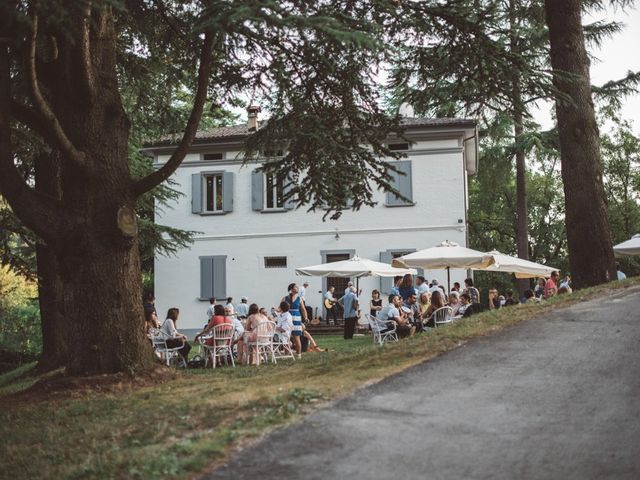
(257, 190)
(206, 277)
(220, 276)
(227, 192)
(385, 282)
(402, 184)
(196, 193)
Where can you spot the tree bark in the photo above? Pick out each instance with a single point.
(588, 235)
(50, 287)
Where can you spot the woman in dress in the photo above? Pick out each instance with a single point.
(298, 311)
(375, 305)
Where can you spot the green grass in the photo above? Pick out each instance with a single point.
(185, 424)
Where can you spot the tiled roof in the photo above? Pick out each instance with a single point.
(240, 131)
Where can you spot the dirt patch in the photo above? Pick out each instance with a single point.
(58, 386)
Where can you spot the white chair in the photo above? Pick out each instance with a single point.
(378, 327)
(282, 347)
(159, 342)
(442, 316)
(222, 344)
(263, 343)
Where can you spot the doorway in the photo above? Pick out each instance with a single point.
(340, 284)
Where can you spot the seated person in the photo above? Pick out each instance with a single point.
(174, 338)
(493, 302)
(454, 302)
(510, 300)
(530, 297)
(218, 318)
(150, 321)
(391, 313)
(412, 309)
(465, 302)
(437, 301)
(254, 317)
(425, 303)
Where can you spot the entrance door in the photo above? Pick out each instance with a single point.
(339, 283)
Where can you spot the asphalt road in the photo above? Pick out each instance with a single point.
(556, 397)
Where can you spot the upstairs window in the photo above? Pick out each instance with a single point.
(213, 193)
(273, 191)
(213, 156)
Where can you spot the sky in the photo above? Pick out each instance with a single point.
(614, 59)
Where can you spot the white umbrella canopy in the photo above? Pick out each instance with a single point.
(521, 268)
(629, 248)
(445, 255)
(353, 267)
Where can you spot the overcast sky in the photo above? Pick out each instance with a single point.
(616, 57)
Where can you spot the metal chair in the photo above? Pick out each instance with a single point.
(442, 316)
(382, 331)
(159, 342)
(263, 343)
(222, 344)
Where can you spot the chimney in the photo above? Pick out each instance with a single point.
(252, 116)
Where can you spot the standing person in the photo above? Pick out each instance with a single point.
(350, 303)
(243, 308)
(175, 338)
(298, 313)
(473, 292)
(397, 280)
(421, 285)
(435, 286)
(349, 285)
(551, 287)
(375, 305)
(406, 287)
(303, 296)
(229, 305)
(149, 304)
(211, 308)
(621, 275)
(284, 323)
(330, 305)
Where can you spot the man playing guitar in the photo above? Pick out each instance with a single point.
(330, 305)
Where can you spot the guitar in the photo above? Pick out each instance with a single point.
(329, 304)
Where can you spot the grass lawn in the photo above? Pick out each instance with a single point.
(190, 421)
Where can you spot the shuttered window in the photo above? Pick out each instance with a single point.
(212, 192)
(213, 276)
(267, 193)
(403, 184)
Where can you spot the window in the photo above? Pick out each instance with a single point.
(273, 191)
(213, 156)
(213, 193)
(398, 147)
(401, 181)
(275, 262)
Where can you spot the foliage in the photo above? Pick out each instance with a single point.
(19, 315)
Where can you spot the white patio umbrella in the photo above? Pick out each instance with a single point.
(353, 267)
(522, 268)
(445, 255)
(629, 248)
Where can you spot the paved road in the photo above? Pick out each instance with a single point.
(554, 397)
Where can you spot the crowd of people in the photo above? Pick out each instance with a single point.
(409, 309)
(288, 320)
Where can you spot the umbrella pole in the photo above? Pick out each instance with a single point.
(449, 280)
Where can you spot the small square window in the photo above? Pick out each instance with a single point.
(398, 147)
(275, 262)
(213, 156)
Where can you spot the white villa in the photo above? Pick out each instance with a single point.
(250, 242)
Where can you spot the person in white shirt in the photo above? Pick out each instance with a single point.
(243, 308)
(349, 286)
(329, 300)
(303, 290)
(434, 286)
(175, 338)
(210, 310)
(284, 323)
(230, 306)
(421, 285)
(621, 275)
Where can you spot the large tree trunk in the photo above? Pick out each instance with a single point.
(50, 288)
(588, 235)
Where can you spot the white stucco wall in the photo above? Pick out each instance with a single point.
(246, 236)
